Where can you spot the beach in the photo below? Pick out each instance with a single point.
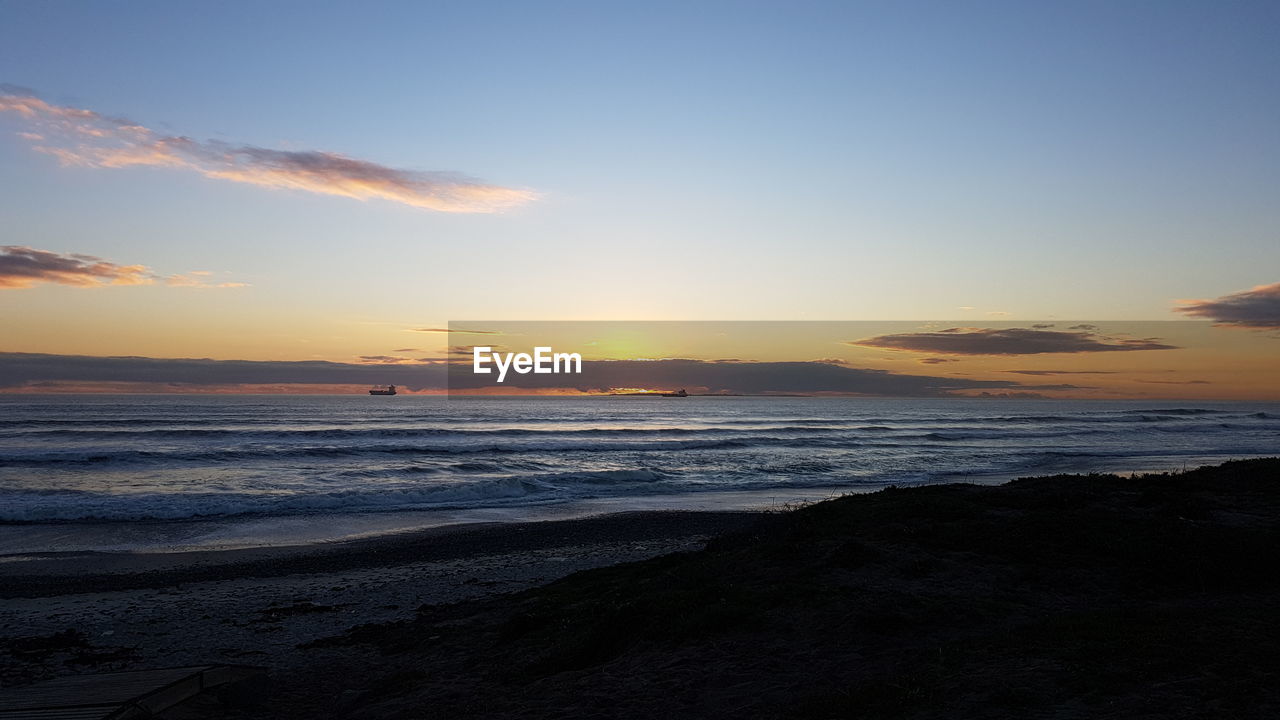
(939, 601)
(257, 605)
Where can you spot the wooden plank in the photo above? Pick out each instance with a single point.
(89, 713)
(136, 693)
(101, 689)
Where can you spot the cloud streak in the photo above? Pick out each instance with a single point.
(751, 378)
(1007, 341)
(28, 370)
(23, 267)
(85, 138)
(1255, 308)
(1039, 373)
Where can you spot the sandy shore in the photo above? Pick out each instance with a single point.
(93, 612)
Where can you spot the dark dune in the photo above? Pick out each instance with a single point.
(1068, 596)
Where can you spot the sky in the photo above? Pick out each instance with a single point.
(315, 182)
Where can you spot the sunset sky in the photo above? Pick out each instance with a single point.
(294, 182)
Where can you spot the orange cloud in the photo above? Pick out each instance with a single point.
(459, 331)
(86, 138)
(196, 279)
(23, 267)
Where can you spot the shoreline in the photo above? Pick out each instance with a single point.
(216, 534)
(239, 533)
(44, 575)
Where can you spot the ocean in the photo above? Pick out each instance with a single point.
(170, 472)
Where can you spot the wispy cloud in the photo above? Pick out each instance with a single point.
(85, 138)
(1255, 308)
(1061, 372)
(1008, 341)
(753, 378)
(398, 360)
(199, 279)
(23, 267)
(468, 350)
(26, 370)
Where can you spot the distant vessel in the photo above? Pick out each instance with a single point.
(381, 390)
(678, 393)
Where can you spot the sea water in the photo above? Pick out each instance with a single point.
(162, 471)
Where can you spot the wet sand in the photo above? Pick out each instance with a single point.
(255, 606)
